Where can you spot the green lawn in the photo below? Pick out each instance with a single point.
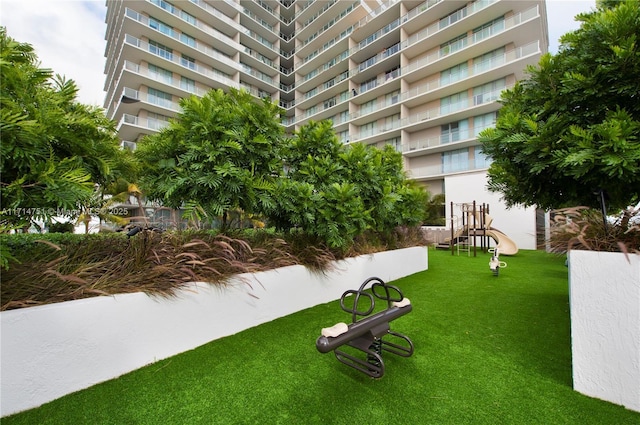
(488, 350)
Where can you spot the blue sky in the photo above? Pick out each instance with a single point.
(68, 35)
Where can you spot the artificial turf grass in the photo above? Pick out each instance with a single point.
(487, 350)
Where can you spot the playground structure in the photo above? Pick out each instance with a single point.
(366, 335)
(473, 223)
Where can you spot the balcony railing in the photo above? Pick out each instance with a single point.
(439, 170)
(131, 40)
(477, 68)
(173, 81)
(446, 139)
(150, 124)
(466, 42)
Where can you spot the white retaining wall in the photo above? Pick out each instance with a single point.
(52, 350)
(605, 325)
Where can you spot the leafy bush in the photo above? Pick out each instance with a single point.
(335, 193)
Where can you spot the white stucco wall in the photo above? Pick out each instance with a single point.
(519, 224)
(53, 350)
(605, 326)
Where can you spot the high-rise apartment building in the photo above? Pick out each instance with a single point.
(423, 76)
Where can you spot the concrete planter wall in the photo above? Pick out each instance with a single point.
(605, 326)
(53, 350)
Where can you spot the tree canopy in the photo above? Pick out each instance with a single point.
(337, 192)
(571, 129)
(54, 150)
(220, 153)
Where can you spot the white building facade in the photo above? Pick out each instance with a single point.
(423, 76)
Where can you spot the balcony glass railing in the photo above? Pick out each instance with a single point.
(477, 68)
(131, 40)
(201, 47)
(174, 81)
(439, 170)
(444, 110)
(151, 124)
(329, 24)
(468, 41)
(448, 139)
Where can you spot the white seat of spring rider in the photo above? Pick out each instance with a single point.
(340, 328)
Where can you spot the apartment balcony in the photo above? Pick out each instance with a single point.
(313, 23)
(259, 22)
(512, 62)
(382, 85)
(331, 67)
(140, 25)
(437, 144)
(185, 16)
(377, 64)
(379, 134)
(477, 105)
(515, 29)
(138, 75)
(332, 31)
(377, 111)
(321, 111)
(438, 172)
(329, 88)
(176, 63)
(386, 19)
(131, 101)
(131, 127)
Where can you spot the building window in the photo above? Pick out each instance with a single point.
(160, 26)
(489, 92)
(480, 159)
(395, 142)
(160, 50)
(454, 45)
(368, 85)
(187, 17)
(188, 62)
(368, 107)
(454, 161)
(311, 111)
(163, 4)
(311, 75)
(158, 97)
(157, 121)
(453, 103)
(311, 93)
(482, 122)
(131, 146)
(453, 74)
(454, 131)
(368, 129)
(343, 136)
(391, 122)
(188, 40)
(393, 97)
(160, 74)
(392, 73)
(488, 29)
(489, 60)
(453, 18)
(188, 84)
(329, 103)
